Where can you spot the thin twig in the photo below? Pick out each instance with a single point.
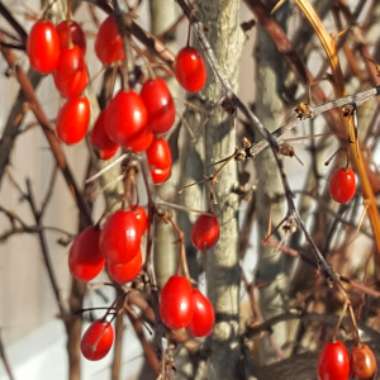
(47, 129)
(4, 359)
(45, 250)
(4, 11)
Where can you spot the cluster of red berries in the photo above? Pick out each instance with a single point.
(134, 121)
(117, 245)
(59, 50)
(342, 185)
(120, 243)
(181, 306)
(335, 362)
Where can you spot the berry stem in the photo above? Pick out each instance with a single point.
(69, 13)
(354, 323)
(151, 72)
(182, 263)
(116, 307)
(151, 211)
(340, 319)
(188, 34)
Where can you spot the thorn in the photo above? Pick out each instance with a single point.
(269, 229)
(327, 162)
(277, 7)
(338, 36)
(106, 168)
(298, 158)
(303, 111)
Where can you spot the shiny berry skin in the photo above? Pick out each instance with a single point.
(160, 176)
(159, 104)
(43, 47)
(109, 43)
(160, 160)
(343, 185)
(141, 219)
(334, 362)
(126, 272)
(363, 362)
(71, 75)
(205, 232)
(97, 341)
(159, 154)
(73, 120)
(126, 116)
(104, 147)
(120, 237)
(85, 259)
(176, 306)
(190, 69)
(71, 33)
(203, 319)
(141, 141)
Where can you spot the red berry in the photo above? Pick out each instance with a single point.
(43, 47)
(109, 43)
(203, 319)
(105, 148)
(343, 185)
(190, 69)
(205, 232)
(363, 362)
(71, 76)
(141, 141)
(71, 33)
(85, 259)
(159, 104)
(160, 160)
(73, 120)
(176, 307)
(126, 116)
(334, 362)
(120, 237)
(141, 219)
(160, 175)
(97, 340)
(159, 154)
(126, 272)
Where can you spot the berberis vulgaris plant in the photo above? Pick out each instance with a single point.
(183, 173)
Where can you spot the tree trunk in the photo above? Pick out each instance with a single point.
(221, 20)
(271, 269)
(163, 15)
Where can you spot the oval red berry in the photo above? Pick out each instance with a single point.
(43, 47)
(85, 258)
(190, 69)
(97, 340)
